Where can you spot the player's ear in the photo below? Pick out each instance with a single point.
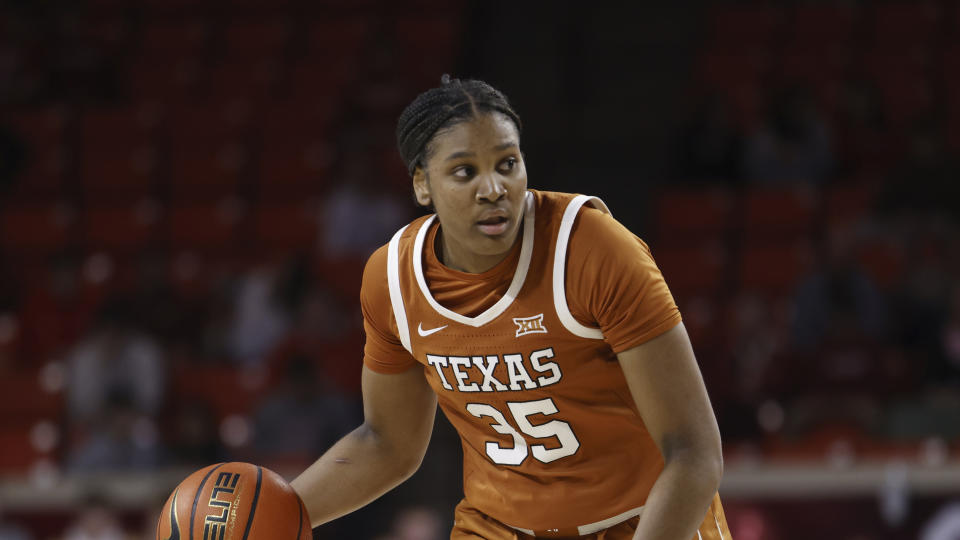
(421, 188)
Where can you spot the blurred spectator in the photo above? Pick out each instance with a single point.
(119, 438)
(162, 311)
(12, 531)
(837, 303)
(710, 145)
(115, 359)
(793, 144)
(944, 525)
(950, 339)
(96, 521)
(358, 216)
(323, 328)
(924, 307)
(259, 321)
(758, 335)
(301, 417)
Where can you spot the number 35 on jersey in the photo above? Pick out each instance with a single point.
(477, 374)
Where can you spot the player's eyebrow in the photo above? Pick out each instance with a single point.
(498, 148)
(458, 155)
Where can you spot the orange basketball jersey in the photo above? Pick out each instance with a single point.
(551, 437)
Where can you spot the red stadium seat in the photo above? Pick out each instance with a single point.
(342, 276)
(692, 214)
(342, 36)
(285, 227)
(127, 227)
(293, 168)
(166, 39)
(950, 75)
(774, 270)
(118, 151)
(26, 400)
(880, 63)
(884, 262)
(25, 403)
(18, 451)
(126, 171)
(898, 23)
(693, 271)
(207, 170)
(906, 99)
(319, 80)
(254, 38)
(427, 45)
(174, 81)
(36, 229)
(775, 215)
(251, 80)
(210, 227)
(848, 204)
(227, 389)
(199, 124)
(293, 121)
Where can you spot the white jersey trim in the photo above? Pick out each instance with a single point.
(598, 526)
(560, 264)
(584, 530)
(519, 276)
(396, 297)
(719, 529)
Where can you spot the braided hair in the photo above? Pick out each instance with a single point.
(441, 107)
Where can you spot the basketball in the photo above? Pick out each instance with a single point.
(234, 501)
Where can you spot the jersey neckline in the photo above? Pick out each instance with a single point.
(519, 275)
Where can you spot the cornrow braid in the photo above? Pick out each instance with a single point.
(441, 107)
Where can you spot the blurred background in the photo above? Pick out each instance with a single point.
(189, 190)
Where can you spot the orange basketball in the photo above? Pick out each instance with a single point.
(234, 501)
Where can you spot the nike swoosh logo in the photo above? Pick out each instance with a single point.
(425, 333)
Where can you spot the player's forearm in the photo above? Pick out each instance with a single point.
(353, 472)
(681, 496)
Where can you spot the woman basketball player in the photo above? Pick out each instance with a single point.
(546, 333)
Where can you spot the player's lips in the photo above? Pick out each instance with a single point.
(494, 222)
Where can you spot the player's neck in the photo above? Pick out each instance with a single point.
(456, 257)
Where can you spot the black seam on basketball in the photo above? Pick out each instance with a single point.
(253, 505)
(196, 498)
(300, 519)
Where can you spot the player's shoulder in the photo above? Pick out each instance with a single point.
(375, 271)
(591, 218)
(551, 202)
